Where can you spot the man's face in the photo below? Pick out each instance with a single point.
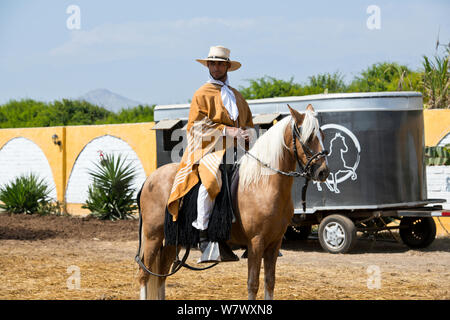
(218, 69)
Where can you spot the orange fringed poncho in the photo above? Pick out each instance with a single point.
(205, 143)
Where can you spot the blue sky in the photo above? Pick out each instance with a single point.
(146, 50)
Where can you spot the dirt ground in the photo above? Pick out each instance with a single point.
(40, 258)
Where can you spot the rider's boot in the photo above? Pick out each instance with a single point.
(203, 240)
(226, 254)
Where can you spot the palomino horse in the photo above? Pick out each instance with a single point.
(264, 201)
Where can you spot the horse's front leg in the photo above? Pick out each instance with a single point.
(255, 253)
(270, 261)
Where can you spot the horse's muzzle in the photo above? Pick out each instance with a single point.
(320, 173)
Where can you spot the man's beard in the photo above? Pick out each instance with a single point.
(223, 78)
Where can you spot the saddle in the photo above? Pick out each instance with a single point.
(182, 232)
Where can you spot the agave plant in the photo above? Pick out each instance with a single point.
(437, 156)
(111, 194)
(25, 194)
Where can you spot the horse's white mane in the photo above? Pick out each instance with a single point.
(269, 149)
(310, 125)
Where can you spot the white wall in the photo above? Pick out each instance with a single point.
(438, 178)
(22, 156)
(80, 179)
(438, 183)
(444, 141)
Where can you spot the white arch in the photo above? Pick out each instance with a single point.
(444, 141)
(22, 156)
(79, 180)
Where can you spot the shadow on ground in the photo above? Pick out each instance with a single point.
(367, 246)
(20, 233)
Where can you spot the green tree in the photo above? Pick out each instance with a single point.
(141, 113)
(21, 113)
(30, 113)
(76, 112)
(385, 76)
(326, 82)
(268, 87)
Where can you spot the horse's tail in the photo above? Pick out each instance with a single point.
(152, 287)
(155, 284)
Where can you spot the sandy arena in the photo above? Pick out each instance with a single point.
(39, 257)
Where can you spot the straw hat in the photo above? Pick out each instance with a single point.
(219, 53)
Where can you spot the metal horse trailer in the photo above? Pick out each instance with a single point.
(377, 178)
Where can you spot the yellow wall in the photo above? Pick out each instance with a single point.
(142, 140)
(139, 136)
(62, 158)
(442, 226)
(437, 125)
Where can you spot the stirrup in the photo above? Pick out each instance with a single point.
(211, 253)
(217, 252)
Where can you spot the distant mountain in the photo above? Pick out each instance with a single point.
(109, 100)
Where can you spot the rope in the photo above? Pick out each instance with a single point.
(294, 174)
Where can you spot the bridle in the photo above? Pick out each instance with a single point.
(305, 170)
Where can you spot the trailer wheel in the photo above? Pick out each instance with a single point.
(297, 233)
(337, 234)
(417, 232)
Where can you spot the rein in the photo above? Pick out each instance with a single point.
(177, 264)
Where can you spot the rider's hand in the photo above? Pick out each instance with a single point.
(237, 133)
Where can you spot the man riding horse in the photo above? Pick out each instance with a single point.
(218, 115)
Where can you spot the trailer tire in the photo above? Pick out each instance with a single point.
(417, 232)
(337, 234)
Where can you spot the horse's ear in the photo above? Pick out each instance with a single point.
(297, 116)
(310, 108)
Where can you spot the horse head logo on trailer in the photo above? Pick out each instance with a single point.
(344, 156)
